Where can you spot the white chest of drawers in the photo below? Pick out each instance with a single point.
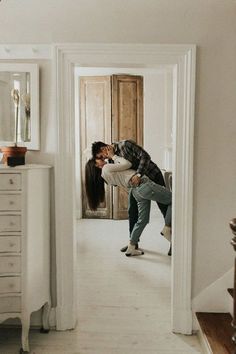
(24, 244)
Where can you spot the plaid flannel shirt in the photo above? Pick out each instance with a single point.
(140, 159)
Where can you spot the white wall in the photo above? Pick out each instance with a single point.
(208, 23)
(158, 98)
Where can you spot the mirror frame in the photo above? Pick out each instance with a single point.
(33, 69)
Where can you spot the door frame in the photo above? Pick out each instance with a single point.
(182, 60)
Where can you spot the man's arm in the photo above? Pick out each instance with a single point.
(139, 158)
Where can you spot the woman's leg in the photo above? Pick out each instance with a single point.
(133, 216)
(164, 196)
(151, 191)
(143, 219)
(160, 180)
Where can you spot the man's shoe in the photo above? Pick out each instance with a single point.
(132, 251)
(124, 249)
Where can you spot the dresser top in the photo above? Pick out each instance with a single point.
(22, 167)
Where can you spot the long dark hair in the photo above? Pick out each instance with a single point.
(94, 185)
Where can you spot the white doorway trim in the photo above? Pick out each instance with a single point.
(182, 58)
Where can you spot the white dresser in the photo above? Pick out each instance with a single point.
(24, 244)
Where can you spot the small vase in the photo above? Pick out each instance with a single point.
(14, 152)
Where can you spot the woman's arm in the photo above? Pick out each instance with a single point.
(120, 164)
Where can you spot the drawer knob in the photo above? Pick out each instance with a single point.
(11, 285)
(12, 223)
(12, 244)
(11, 264)
(11, 202)
(11, 181)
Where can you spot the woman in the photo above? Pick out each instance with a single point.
(119, 174)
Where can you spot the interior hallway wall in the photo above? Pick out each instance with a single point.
(208, 23)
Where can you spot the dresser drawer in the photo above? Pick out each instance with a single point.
(10, 243)
(10, 223)
(10, 264)
(10, 304)
(10, 285)
(10, 181)
(10, 202)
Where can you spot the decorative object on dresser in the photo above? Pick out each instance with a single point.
(15, 155)
(25, 245)
(19, 114)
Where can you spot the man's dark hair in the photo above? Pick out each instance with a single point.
(96, 147)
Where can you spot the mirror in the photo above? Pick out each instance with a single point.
(19, 105)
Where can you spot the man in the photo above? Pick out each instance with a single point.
(141, 162)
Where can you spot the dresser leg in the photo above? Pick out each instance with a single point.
(45, 318)
(25, 334)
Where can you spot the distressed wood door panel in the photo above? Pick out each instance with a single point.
(95, 119)
(127, 123)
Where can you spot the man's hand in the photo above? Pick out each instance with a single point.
(135, 180)
(110, 151)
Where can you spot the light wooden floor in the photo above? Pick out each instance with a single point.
(123, 302)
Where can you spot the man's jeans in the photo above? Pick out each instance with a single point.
(143, 194)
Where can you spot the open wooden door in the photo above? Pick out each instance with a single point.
(127, 123)
(95, 118)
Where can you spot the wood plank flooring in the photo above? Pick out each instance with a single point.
(123, 302)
